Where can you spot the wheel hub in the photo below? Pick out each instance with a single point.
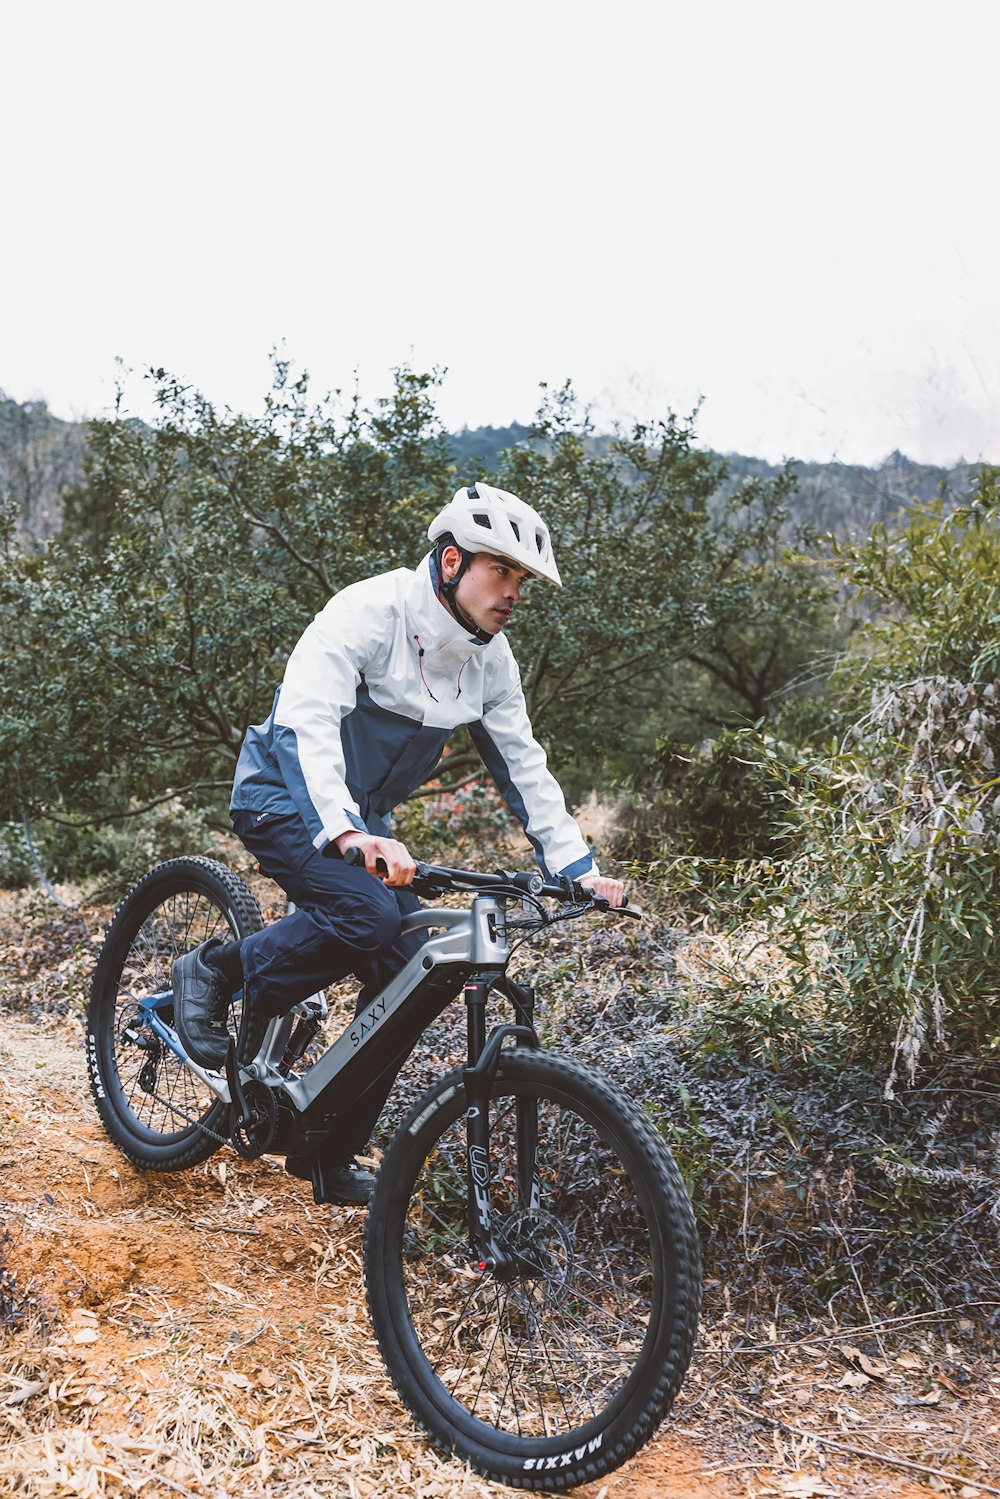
(537, 1247)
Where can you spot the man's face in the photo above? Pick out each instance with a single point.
(488, 590)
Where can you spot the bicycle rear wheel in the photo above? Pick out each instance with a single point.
(154, 1108)
(557, 1374)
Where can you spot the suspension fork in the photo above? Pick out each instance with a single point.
(484, 1059)
(522, 996)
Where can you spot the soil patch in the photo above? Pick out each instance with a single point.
(205, 1334)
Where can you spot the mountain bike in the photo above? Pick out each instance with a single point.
(531, 1260)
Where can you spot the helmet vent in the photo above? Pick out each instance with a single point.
(483, 520)
(516, 530)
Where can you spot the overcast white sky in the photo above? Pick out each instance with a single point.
(790, 210)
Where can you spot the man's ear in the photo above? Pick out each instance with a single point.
(451, 561)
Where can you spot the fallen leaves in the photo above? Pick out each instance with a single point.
(798, 1485)
(911, 1362)
(874, 1368)
(265, 1380)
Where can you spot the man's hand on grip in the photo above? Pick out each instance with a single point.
(398, 868)
(613, 891)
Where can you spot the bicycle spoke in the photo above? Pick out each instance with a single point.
(542, 1351)
(477, 1286)
(603, 1312)
(182, 922)
(557, 1380)
(497, 1333)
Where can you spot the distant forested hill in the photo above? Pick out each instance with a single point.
(840, 497)
(41, 458)
(850, 498)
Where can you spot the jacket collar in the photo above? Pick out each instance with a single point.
(440, 633)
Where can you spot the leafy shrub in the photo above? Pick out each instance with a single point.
(879, 914)
(468, 811)
(468, 824)
(881, 923)
(15, 861)
(110, 858)
(717, 801)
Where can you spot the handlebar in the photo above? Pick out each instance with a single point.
(439, 879)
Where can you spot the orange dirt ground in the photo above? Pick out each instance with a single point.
(205, 1335)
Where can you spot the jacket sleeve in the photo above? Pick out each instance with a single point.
(517, 763)
(319, 690)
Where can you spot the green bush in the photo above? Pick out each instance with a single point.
(145, 636)
(876, 913)
(107, 859)
(716, 801)
(15, 861)
(879, 924)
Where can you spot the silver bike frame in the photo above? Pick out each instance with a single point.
(469, 939)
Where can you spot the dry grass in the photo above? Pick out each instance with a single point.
(205, 1334)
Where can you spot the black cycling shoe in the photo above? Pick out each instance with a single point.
(349, 1186)
(201, 1007)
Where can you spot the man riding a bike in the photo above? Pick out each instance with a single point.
(373, 689)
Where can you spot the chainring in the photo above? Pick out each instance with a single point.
(253, 1136)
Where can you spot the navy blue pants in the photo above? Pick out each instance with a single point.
(345, 921)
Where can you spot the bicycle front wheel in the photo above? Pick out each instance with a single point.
(555, 1372)
(159, 1114)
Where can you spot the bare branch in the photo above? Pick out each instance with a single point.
(168, 796)
(428, 792)
(314, 568)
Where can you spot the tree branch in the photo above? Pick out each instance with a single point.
(314, 568)
(168, 796)
(428, 792)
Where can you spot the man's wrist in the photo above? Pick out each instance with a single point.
(349, 838)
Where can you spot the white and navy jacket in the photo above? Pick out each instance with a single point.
(370, 695)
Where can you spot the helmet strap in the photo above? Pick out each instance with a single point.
(450, 588)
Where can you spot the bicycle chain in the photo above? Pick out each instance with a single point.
(174, 1108)
(189, 1119)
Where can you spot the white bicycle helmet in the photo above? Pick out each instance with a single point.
(483, 519)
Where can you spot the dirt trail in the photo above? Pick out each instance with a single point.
(205, 1335)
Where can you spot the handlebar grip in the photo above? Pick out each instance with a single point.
(355, 857)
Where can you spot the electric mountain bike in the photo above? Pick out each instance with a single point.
(531, 1260)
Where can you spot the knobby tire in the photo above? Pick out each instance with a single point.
(154, 1108)
(558, 1375)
